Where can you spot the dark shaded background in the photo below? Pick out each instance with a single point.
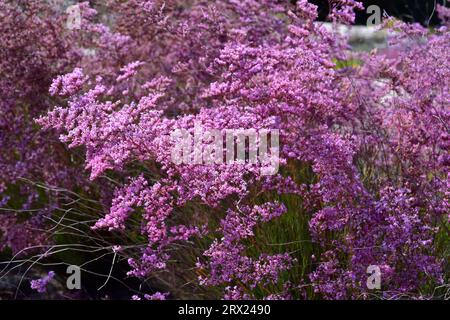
(421, 11)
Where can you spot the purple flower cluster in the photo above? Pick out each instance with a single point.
(226, 259)
(40, 285)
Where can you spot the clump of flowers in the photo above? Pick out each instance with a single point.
(40, 285)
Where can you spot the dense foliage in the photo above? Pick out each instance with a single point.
(364, 142)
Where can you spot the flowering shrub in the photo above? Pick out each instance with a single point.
(364, 143)
(35, 48)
